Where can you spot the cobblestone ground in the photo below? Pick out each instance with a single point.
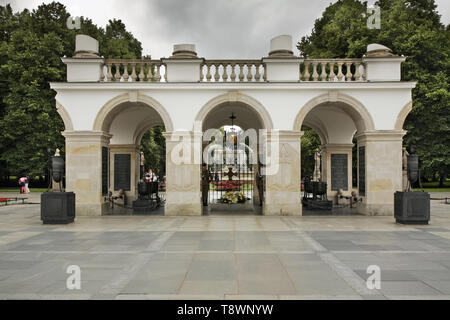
(223, 257)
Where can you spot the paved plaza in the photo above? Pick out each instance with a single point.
(223, 256)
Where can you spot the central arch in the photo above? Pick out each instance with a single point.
(231, 97)
(236, 174)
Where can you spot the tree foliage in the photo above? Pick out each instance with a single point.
(411, 28)
(31, 45)
(310, 143)
(153, 145)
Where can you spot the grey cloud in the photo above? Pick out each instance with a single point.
(218, 28)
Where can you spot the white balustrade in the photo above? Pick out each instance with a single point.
(232, 71)
(131, 70)
(146, 70)
(332, 70)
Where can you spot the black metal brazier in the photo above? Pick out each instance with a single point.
(412, 207)
(57, 207)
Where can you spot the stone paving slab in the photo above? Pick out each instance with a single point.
(223, 257)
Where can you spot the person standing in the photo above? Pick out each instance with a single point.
(206, 179)
(22, 182)
(27, 181)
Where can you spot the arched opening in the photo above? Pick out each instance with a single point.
(231, 165)
(331, 152)
(135, 154)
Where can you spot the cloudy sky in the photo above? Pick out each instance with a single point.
(219, 28)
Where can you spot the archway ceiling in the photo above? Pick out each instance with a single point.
(246, 117)
(132, 118)
(332, 123)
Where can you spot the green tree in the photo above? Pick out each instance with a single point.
(31, 45)
(411, 28)
(310, 143)
(153, 145)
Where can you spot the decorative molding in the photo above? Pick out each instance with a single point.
(357, 112)
(108, 110)
(65, 116)
(401, 117)
(236, 97)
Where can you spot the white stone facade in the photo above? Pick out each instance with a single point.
(99, 112)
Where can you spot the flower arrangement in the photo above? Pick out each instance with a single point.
(233, 197)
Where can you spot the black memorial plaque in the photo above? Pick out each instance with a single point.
(104, 170)
(339, 172)
(122, 171)
(362, 171)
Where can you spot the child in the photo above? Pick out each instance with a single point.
(22, 182)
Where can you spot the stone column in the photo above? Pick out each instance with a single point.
(282, 194)
(133, 151)
(183, 173)
(332, 151)
(84, 169)
(383, 170)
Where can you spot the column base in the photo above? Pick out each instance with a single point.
(188, 209)
(89, 209)
(282, 210)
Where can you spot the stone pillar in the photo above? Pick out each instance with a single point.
(183, 173)
(84, 169)
(133, 151)
(382, 170)
(282, 194)
(336, 152)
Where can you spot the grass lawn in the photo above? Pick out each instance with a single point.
(16, 190)
(433, 189)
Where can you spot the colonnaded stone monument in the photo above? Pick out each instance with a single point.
(108, 104)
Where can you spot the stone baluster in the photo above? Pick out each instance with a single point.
(125, 72)
(340, 75)
(323, 74)
(249, 72)
(332, 75)
(108, 72)
(216, 73)
(348, 75)
(158, 73)
(233, 74)
(306, 73)
(357, 73)
(265, 73)
(315, 75)
(208, 72)
(141, 71)
(225, 74)
(133, 72)
(150, 74)
(257, 75)
(241, 72)
(165, 72)
(117, 74)
(363, 76)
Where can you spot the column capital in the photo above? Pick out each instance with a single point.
(87, 136)
(381, 135)
(173, 135)
(125, 147)
(284, 135)
(337, 146)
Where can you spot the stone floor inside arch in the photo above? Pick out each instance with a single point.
(223, 257)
